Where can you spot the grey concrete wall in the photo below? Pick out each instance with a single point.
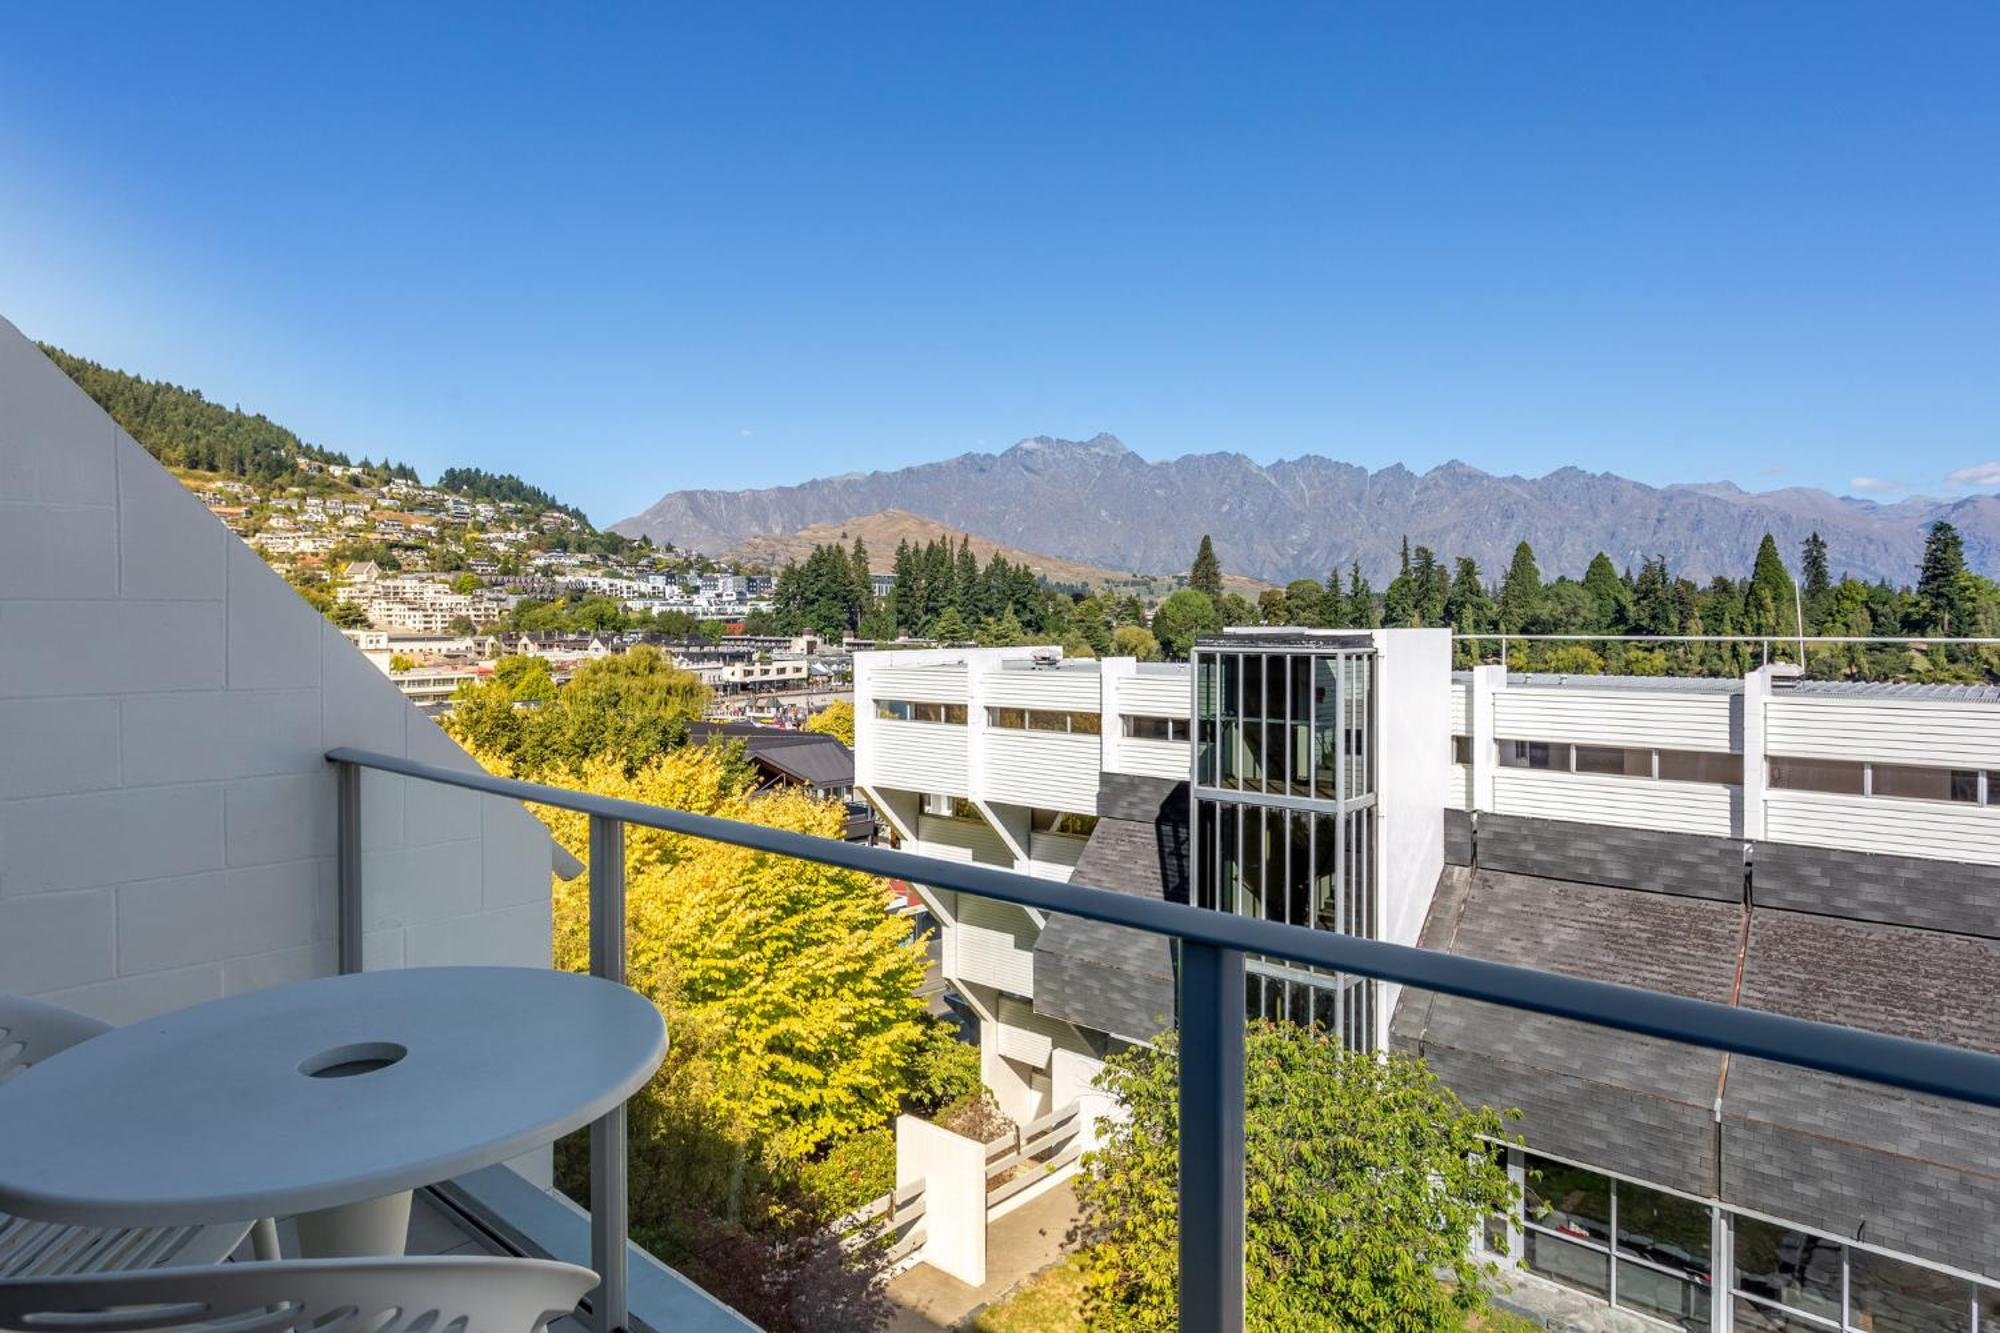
(1684, 864)
(166, 812)
(1872, 886)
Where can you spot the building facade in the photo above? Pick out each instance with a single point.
(1824, 850)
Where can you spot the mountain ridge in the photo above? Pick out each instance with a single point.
(1098, 503)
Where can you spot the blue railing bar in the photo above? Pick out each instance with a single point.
(1897, 1062)
(347, 835)
(1211, 1136)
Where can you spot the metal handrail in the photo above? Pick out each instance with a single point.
(1213, 946)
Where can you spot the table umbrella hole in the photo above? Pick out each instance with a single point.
(362, 1057)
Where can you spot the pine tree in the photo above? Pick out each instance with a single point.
(1361, 609)
(1944, 598)
(1468, 610)
(1520, 591)
(1610, 598)
(1817, 581)
(1770, 599)
(1206, 575)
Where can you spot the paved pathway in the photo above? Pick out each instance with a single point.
(1018, 1246)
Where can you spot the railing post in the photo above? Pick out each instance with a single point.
(607, 1134)
(347, 854)
(1212, 1019)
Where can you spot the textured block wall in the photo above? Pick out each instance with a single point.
(1871, 886)
(1688, 865)
(166, 813)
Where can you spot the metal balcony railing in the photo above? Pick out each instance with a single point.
(1212, 948)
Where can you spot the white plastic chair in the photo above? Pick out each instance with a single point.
(32, 1031)
(450, 1294)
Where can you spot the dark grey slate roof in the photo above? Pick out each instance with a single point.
(1112, 978)
(1918, 1174)
(803, 756)
(1634, 1105)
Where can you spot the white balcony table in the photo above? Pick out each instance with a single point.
(330, 1099)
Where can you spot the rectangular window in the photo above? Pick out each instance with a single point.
(902, 710)
(1925, 784)
(1461, 749)
(1701, 766)
(1155, 728)
(1884, 1294)
(1614, 762)
(1013, 719)
(1534, 754)
(1793, 1270)
(1841, 776)
(1063, 821)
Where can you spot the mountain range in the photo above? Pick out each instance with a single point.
(1097, 502)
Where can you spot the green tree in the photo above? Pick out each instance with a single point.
(1468, 609)
(1362, 609)
(1206, 575)
(1305, 603)
(1520, 591)
(1815, 581)
(1770, 599)
(1183, 616)
(950, 627)
(635, 705)
(1366, 1180)
(1610, 599)
(1134, 641)
(1945, 594)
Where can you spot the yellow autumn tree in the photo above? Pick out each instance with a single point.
(836, 719)
(789, 990)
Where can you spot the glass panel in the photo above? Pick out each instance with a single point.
(1253, 686)
(1086, 724)
(1014, 719)
(1534, 754)
(1326, 727)
(1229, 834)
(1614, 762)
(1664, 1229)
(1298, 883)
(892, 710)
(1926, 784)
(1567, 1262)
(1700, 766)
(1677, 1300)
(1299, 1005)
(955, 714)
(1754, 1318)
(1835, 775)
(1276, 868)
(1461, 749)
(1250, 902)
(1230, 727)
(1205, 849)
(927, 712)
(1790, 1268)
(1888, 1296)
(1039, 720)
(1569, 1200)
(1325, 872)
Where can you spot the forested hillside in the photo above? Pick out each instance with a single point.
(502, 487)
(183, 429)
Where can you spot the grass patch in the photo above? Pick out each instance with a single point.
(1050, 1302)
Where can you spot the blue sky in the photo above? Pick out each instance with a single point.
(628, 251)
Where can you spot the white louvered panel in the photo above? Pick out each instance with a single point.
(915, 756)
(1028, 1036)
(1153, 695)
(929, 684)
(1046, 769)
(1057, 691)
(1931, 734)
(1608, 717)
(1461, 708)
(1942, 830)
(1150, 759)
(961, 840)
(1054, 855)
(1680, 807)
(994, 945)
(1458, 792)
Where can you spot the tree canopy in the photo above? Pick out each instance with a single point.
(1366, 1180)
(630, 707)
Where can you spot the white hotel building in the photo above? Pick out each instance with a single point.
(1829, 851)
